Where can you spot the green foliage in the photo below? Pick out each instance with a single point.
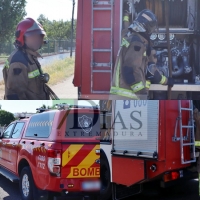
(57, 30)
(11, 12)
(6, 117)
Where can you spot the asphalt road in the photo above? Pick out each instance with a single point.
(185, 191)
(10, 191)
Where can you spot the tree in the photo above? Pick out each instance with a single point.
(6, 117)
(11, 13)
(56, 30)
(44, 106)
(44, 21)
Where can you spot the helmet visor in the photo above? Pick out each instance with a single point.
(137, 27)
(35, 32)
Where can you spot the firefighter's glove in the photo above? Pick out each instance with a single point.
(152, 74)
(170, 82)
(44, 77)
(128, 76)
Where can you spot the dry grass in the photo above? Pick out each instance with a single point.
(2, 89)
(3, 59)
(59, 70)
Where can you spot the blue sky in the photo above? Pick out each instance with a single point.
(30, 106)
(52, 9)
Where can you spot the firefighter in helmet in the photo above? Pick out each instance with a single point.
(23, 76)
(135, 67)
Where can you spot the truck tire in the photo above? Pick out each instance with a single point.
(27, 187)
(106, 185)
(26, 184)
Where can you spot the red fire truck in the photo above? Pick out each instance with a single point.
(143, 141)
(99, 26)
(53, 153)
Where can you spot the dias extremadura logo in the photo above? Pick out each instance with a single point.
(131, 120)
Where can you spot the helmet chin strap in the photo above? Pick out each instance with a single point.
(18, 44)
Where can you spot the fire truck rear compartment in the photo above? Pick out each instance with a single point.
(170, 136)
(133, 142)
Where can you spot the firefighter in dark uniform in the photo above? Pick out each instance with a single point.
(135, 67)
(23, 76)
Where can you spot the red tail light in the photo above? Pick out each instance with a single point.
(175, 175)
(54, 161)
(171, 176)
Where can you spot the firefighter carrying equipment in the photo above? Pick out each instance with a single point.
(132, 75)
(155, 77)
(129, 74)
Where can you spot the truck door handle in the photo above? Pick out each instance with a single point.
(23, 142)
(32, 143)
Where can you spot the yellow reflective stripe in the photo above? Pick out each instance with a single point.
(118, 68)
(6, 64)
(137, 87)
(126, 18)
(148, 84)
(197, 143)
(84, 168)
(70, 153)
(163, 80)
(145, 53)
(91, 157)
(123, 92)
(33, 74)
(117, 74)
(125, 43)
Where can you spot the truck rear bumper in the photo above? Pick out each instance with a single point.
(187, 176)
(74, 185)
(81, 195)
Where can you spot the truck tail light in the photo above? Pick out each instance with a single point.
(54, 161)
(175, 175)
(171, 176)
(97, 151)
